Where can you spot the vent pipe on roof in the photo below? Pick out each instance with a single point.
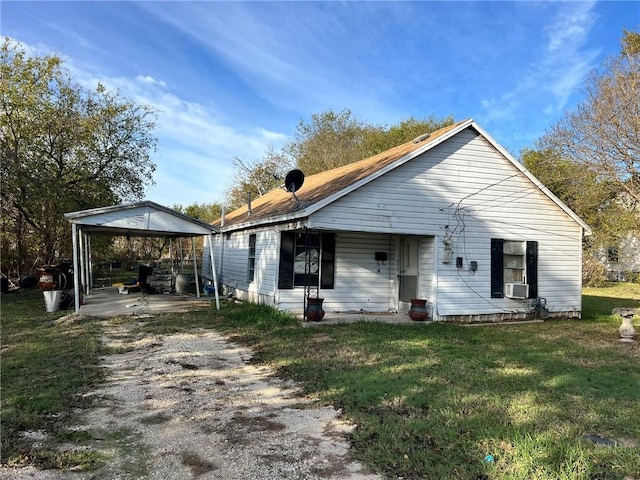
(249, 204)
(421, 138)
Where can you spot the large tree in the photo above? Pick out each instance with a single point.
(333, 139)
(329, 140)
(207, 212)
(253, 179)
(593, 197)
(63, 147)
(591, 158)
(603, 132)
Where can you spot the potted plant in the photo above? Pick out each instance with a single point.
(314, 312)
(418, 310)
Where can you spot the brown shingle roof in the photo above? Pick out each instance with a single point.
(322, 185)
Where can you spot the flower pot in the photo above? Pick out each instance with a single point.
(314, 312)
(418, 310)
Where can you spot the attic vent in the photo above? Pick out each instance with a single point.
(421, 138)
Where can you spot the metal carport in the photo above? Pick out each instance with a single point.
(141, 219)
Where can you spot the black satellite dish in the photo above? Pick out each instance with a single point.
(294, 180)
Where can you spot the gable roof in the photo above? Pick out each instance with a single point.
(325, 187)
(141, 219)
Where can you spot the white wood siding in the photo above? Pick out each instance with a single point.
(466, 189)
(206, 258)
(233, 266)
(360, 282)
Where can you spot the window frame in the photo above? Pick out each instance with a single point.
(530, 270)
(251, 258)
(292, 244)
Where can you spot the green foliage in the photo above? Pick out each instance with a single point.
(630, 43)
(207, 212)
(334, 139)
(632, 277)
(328, 141)
(256, 179)
(383, 138)
(433, 401)
(429, 401)
(591, 196)
(64, 148)
(594, 273)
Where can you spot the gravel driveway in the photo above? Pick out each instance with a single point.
(193, 406)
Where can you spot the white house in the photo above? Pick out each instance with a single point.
(450, 217)
(622, 260)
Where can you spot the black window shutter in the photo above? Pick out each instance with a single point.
(328, 260)
(497, 268)
(532, 268)
(287, 253)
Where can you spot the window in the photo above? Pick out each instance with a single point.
(612, 254)
(306, 257)
(251, 269)
(513, 262)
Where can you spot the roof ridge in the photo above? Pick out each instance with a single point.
(323, 184)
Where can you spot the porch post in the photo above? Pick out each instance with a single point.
(76, 280)
(195, 266)
(89, 265)
(82, 259)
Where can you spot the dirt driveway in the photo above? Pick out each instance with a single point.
(192, 406)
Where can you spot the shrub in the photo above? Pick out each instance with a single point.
(594, 273)
(631, 276)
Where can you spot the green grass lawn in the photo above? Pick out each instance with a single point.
(430, 401)
(45, 369)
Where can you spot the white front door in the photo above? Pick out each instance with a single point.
(407, 272)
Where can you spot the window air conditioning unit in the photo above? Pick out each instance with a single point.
(516, 290)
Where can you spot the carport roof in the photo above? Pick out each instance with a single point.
(141, 219)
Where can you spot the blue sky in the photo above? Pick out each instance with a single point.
(231, 79)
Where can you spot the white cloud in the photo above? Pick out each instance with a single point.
(560, 70)
(150, 80)
(570, 28)
(195, 144)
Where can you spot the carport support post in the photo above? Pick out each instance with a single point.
(195, 266)
(89, 265)
(213, 271)
(76, 280)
